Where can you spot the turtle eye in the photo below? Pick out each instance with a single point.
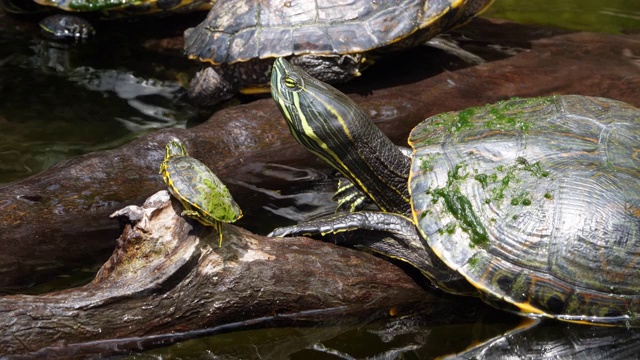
(292, 82)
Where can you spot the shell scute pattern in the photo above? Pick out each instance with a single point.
(238, 31)
(200, 191)
(576, 165)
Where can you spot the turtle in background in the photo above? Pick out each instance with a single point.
(201, 193)
(68, 26)
(331, 40)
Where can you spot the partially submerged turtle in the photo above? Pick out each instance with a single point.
(125, 8)
(67, 27)
(332, 40)
(203, 196)
(533, 202)
(70, 27)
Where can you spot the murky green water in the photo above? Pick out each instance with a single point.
(615, 16)
(57, 102)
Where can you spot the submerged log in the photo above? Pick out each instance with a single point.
(60, 217)
(167, 276)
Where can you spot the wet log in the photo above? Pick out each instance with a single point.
(167, 276)
(60, 217)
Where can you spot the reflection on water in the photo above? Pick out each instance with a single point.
(46, 118)
(450, 325)
(285, 195)
(457, 329)
(60, 100)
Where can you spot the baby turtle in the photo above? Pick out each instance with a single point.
(204, 197)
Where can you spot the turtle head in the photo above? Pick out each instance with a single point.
(317, 113)
(175, 148)
(333, 127)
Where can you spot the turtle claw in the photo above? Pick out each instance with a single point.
(284, 231)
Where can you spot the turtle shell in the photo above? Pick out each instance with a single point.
(66, 27)
(238, 30)
(199, 189)
(537, 203)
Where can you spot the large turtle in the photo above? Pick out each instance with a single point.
(203, 196)
(533, 202)
(332, 39)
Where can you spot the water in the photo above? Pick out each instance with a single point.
(60, 100)
(615, 16)
(48, 100)
(49, 92)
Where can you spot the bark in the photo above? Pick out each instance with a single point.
(167, 276)
(59, 218)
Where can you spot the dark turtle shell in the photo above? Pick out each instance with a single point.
(536, 202)
(238, 30)
(64, 26)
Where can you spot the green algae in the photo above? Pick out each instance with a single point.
(521, 199)
(426, 162)
(460, 207)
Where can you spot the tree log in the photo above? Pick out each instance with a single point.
(167, 275)
(59, 218)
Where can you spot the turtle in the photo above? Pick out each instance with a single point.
(533, 204)
(331, 39)
(127, 8)
(203, 196)
(66, 27)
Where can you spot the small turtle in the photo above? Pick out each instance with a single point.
(534, 203)
(70, 27)
(127, 8)
(332, 39)
(66, 27)
(204, 197)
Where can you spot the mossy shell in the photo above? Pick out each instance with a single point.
(197, 187)
(536, 202)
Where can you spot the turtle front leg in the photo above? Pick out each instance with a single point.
(332, 68)
(389, 234)
(209, 87)
(395, 224)
(349, 197)
(190, 213)
(218, 226)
